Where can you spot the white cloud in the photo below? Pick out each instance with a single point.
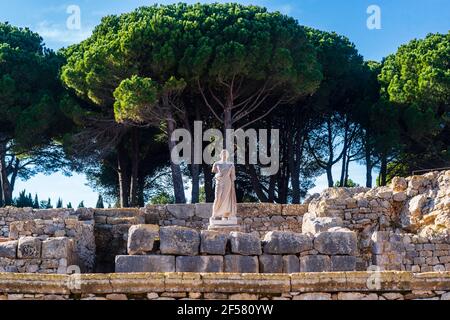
(57, 33)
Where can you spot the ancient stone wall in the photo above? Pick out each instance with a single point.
(181, 249)
(171, 286)
(42, 225)
(414, 206)
(404, 226)
(254, 217)
(410, 252)
(33, 255)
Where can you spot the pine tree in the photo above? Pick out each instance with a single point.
(59, 204)
(81, 205)
(36, 202)
(69, 205)
(49, 204)
(100, 204)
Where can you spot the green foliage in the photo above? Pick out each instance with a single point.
(100, 204)
(133, 97)
(36, 202)
(81, 205)
(24, 200)
(59, 204)
(30, 119)
(350, 184)
(416, 80)
(46, 204)
(162, 198)
(69, 205)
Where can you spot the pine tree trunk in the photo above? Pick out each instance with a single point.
(368, 166)
(228, 124)
(124, 178)
(330, 176)
(383, 170)
(5, 187)
(134, 167)
(177, 177)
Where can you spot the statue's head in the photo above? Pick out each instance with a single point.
(224, 155)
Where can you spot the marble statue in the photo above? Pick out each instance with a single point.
(224, 207)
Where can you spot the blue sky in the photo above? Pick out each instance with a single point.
(401, 21)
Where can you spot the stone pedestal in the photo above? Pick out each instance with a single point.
(225, 226)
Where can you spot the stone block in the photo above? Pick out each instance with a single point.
(294, 209)
(150, 263)
(8, 249)
(316, 225)
(284, 242)
(316, 263)
(213, 242)
(343, 263)
(181, 211)
(57, 248)
(29, 248)
(270, 264)
(179, 241)
(141, 238)
(247, 244)
(399, 196)
(291, 264)
(203, 210)
(199, 264)
(313, 296)
(245, 210)
(337, 241)
(399, 184)
(241, 264)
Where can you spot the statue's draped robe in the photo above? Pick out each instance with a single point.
(225, 193)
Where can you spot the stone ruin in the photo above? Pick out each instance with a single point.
(404, 226)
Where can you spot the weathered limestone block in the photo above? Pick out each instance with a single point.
(57, 248)
(415, 182)
(29, 248)
(336, 241)
(150, 263)
(247, 244)
(245, 210)
(179, 241)
(399, 184)
(199, 264)
(294, 209)
(356, 296)
(285, 242)
(313, 296)
(343, 263)
(270, 263)
(141, 238)
(412, 211)
(213, 242)
(8, 249)
(317, 263)
(241, 264)
(203, 210)
(85, 214)
(291, 264)
(399, 196)
(181, 211)
(315, 225)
